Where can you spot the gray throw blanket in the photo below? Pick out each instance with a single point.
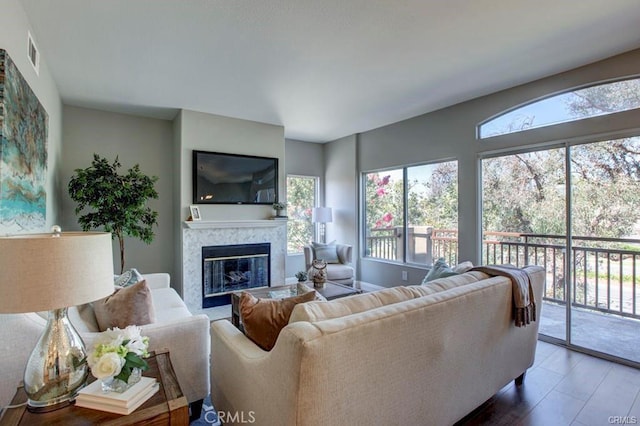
(524, 305)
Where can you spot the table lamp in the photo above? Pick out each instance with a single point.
(50, 272)
(322, 215)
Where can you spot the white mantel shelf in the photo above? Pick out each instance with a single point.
(211, 224)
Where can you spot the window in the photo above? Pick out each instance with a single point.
(589, 102)
(429, 195)
(384, 214)
(301, 199)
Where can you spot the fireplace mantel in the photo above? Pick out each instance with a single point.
(210, 224)
(203, 233)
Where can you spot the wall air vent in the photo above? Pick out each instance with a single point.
(34, 55)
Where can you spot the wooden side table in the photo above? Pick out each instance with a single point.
(167, 407)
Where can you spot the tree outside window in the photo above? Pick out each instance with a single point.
(301, 199)
(430, 193)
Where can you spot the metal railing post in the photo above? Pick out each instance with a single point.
(429, 245)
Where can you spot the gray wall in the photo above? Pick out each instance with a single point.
(208, 132)
(341, 192)
(451, 134)
(13, 38)
(303, 159)
(134, 140)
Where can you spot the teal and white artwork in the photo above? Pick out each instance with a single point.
(23, 153)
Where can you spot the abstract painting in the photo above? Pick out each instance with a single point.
(23, 153)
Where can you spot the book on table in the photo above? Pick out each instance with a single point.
(92, 396)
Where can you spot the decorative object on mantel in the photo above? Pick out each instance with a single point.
(195, 213)
(117, 358)
(322, 215)
(319, 273)
(119, 208)
(302, 276)
(23, 156)
(279, 207)
(72, 268)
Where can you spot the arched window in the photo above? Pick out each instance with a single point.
(602, 99)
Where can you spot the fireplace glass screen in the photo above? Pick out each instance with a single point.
(226, 269)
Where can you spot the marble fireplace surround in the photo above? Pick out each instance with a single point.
(198, 234)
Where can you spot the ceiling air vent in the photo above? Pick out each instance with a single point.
(34, 55)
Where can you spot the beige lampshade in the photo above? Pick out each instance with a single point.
(41, 272)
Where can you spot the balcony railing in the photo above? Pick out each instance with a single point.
(605, 270)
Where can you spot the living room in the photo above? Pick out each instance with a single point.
(160, 137)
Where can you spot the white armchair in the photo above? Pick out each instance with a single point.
(186, 336)
(339, 270)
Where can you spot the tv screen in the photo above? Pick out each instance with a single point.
(220, 178)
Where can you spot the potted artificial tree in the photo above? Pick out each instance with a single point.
(118, 201)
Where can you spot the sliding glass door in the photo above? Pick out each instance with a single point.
(524, 221)
(587, 197)
(605, 260)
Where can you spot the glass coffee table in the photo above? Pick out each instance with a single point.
(330, 291)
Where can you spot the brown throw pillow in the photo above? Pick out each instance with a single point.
(264, 318)
(126, 306)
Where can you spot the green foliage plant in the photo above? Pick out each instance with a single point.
(118, 201)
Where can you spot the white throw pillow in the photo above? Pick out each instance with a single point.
(327, 252)
(463, 267)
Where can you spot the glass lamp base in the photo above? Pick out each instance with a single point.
(56, 370)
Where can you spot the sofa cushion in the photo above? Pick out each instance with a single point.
(319, 311)
(126, 306)
(339, 272)
(462, 267)
(327, 252)
(313, 312)
(264, 318)
(169, 306)
(442, 284)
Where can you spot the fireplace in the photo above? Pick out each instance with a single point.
(230, 268)
(204, 233)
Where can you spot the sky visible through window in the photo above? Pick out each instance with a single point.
(583, 103)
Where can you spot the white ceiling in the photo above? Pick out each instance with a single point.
(321, 68)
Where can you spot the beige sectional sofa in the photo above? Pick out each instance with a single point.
(186, 336)
(404, 355)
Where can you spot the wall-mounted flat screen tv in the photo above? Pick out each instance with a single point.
(220, 178)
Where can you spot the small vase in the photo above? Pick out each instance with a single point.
(111, 384)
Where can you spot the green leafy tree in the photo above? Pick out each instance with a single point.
(434, 201)
(526, 192)
(118, 201)
(605, 98)
(301, 200)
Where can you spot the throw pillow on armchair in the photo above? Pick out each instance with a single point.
(327, 252)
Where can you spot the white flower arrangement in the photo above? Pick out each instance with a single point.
(116, 352)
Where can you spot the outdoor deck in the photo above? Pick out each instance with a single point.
(607, 333)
